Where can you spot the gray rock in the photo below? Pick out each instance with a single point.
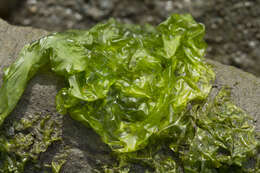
(86, 150)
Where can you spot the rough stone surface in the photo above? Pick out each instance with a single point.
(86, 150)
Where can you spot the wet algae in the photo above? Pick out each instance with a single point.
(23, 141)
(145, 91)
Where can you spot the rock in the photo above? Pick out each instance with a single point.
(6, 6)
(85, 149)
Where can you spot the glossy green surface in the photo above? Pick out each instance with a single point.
(140, 88)
(132, 83)
(214, 136)
(127, 82)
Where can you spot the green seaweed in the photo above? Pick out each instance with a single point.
(144, 90)
(58, 161)
(218, 137)
(224, 138)
(32, 136)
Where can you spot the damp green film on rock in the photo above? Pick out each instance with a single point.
(141, 88)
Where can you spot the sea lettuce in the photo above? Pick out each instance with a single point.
(135, 86)
(216, 137)
(127, 82)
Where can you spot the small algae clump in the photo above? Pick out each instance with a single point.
(223, 140)
(30, 137)
(58, 161)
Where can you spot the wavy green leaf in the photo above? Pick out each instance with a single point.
(134, 85)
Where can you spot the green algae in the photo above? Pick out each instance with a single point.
(219, 139)
(31, 137)
(143, 89)
(58, 161)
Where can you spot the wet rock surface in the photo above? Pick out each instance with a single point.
(85, 150)
(232, 27)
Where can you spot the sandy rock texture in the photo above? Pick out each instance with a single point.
(86, 150)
